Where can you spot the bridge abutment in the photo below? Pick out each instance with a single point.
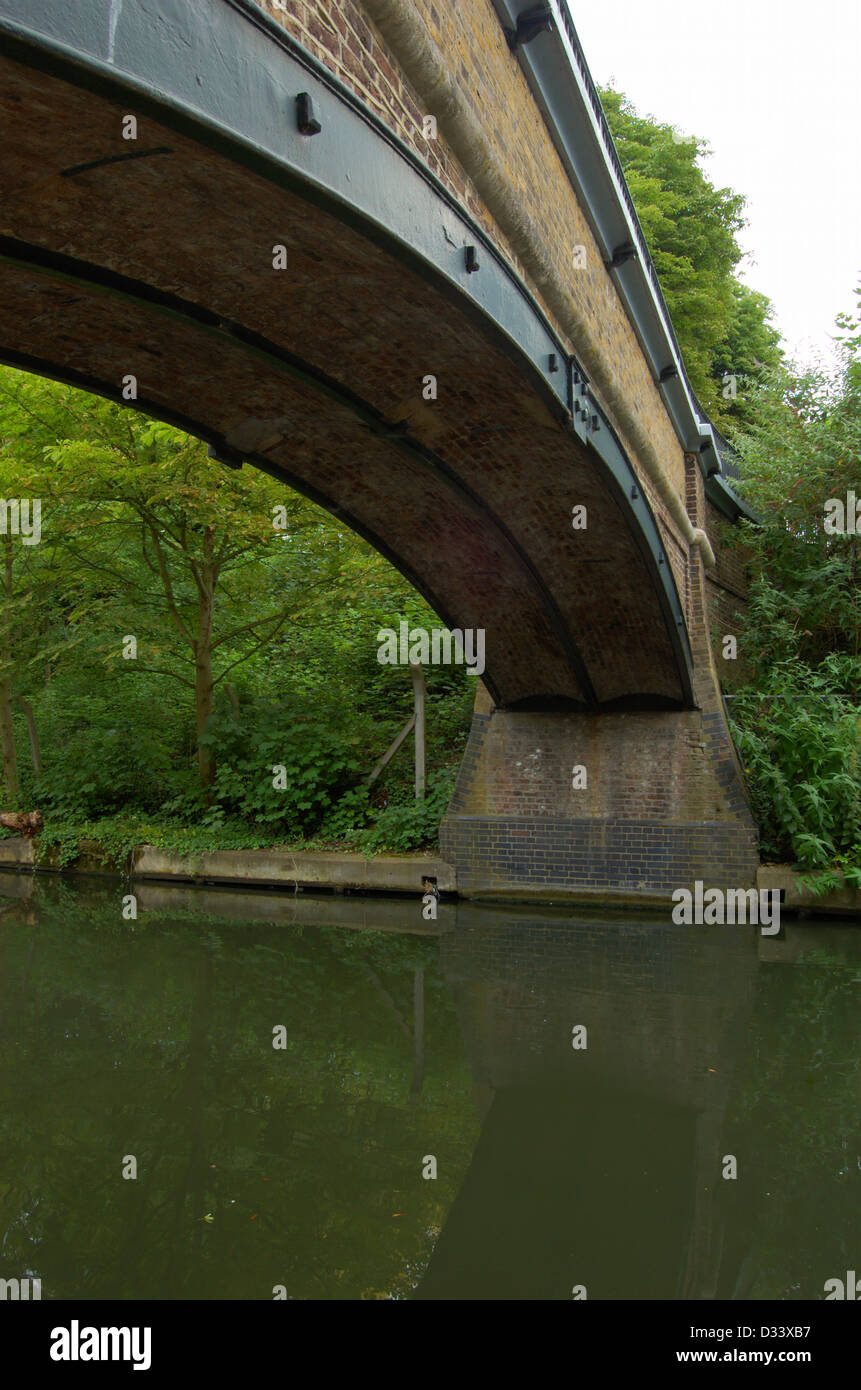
(659, 811)
(664, 801)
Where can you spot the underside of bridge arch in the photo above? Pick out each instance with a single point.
(154, 257)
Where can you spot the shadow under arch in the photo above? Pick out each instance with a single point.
(157, 260)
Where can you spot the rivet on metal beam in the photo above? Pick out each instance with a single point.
(634, 494)
(552, 362)
(595, 423)
(530, 24)
(661, 558)
(306, 116)
(472, 261)
(222, 453)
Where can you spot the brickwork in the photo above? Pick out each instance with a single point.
(662, 807)
(662, 1004)
(471, 498)
(339, 35)
(471, 40)
(665, 802)
(473, 530)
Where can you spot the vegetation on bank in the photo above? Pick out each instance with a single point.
(183, 629)
(797, 720)
(797, 434)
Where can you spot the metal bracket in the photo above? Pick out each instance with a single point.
(626, 252)
(531, 23)
(306, 116)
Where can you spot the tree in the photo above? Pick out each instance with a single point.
(164, 553)
(751, 349)
(797, 722)
(27, 604)
(691, 227)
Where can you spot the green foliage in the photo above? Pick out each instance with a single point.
(691, 229)
(798, 721)
(113, 838)
(410, 824)
(798, 735)
(320, 761)
(750, 350)
(143, 534)
(104, 749)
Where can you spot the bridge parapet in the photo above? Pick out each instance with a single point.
(506, 155)
(159, 260)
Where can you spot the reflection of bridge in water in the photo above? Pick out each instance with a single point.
(283, 285)
(599, 1167)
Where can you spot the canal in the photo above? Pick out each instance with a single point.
(258, 1095)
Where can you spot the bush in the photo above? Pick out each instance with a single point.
(799, 735)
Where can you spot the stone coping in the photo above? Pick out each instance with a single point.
(384, 873)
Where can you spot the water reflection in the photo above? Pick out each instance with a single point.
(300, 1167)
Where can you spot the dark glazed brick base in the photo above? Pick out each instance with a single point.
(495, 853)
(663, 807)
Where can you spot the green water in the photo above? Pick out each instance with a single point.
(411, 1047)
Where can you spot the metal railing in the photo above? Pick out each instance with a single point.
(611, 155)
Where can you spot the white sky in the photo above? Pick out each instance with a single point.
(774, 87)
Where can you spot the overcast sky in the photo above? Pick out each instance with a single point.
(774, 87)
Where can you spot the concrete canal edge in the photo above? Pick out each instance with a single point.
(380, 874)
(268, 868)
(842, 902)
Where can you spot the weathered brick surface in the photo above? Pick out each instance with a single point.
(478, 513)
(662, 807)
(484, 532)
(470, 38)
(665, 803)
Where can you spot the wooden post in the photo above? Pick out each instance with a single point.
(418, 676)
(391, 750)
(418, 1033)
(33, 734)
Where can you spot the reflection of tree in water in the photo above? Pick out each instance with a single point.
(154, 1038)
(796, 1127)
(256, 1167)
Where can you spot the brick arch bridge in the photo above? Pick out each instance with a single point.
(282, 220)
